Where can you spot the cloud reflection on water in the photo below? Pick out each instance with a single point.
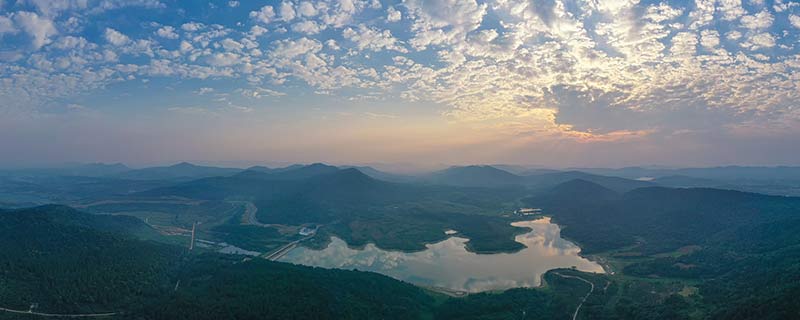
(449, 265)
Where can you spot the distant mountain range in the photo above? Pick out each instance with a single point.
(183, 170)
(488, 176)
(715, 173)
(768, 180)
(474, 176)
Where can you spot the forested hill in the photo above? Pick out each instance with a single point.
(657, 219)
(740, 250)
(71, 262)
(68, 262)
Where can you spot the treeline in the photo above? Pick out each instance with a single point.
(737, 254)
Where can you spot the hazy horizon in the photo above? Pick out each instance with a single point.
(390, 167)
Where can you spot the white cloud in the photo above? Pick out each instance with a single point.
(233, 4)
(443, 22)
(39, 28)
(709, 39)
(287, 11)
(731, 9)
(733, 35)
(625, 55)
(257, 31)
(51, 8)
(167, 32)
(192, 26)
(760, 40)
(784, 5)
(76, 107)
(307, 9)
(7, 26)
(109, 56)
(794, 20)
(288, 49)
(223, 59)
(259, 93)
(231, 45)
(307, 27)
(263, 15)
(70, 42)
(761, 20)
(116, 38)
(703, 13)
(393, 15)
(204, 90)
(373, 39)
(332, 44)
(185, 46)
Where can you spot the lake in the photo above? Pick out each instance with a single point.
(447, 264)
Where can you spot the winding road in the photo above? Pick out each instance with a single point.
(578, 309)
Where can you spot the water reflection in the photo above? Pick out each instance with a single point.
(448, 264)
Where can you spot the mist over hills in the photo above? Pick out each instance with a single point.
(183, 170)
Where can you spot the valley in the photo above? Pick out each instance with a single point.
(605, 248)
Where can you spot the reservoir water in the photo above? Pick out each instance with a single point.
(447, 264)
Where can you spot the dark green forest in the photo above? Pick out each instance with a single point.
(671, 253)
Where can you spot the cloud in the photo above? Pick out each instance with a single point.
(288, 49)
(307, 27)
(380, 115)
(51, 8)
(204, 90)
(759, 41)
(393, 15)
(7, 26)
(258, 93)
(442, 22)
(731, 9)
(263, 15)
(39, 28)
(794, 20)
(709, 39)
(233, 4)
(192, 26)
(491, 62)
(231, 45)
(287, 11)
(116, 38)
(307, 9)
(223, 59)
(761, 20)
(70, 42)
(373, 39)
(167, 32)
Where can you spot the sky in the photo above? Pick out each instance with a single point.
(552, 83)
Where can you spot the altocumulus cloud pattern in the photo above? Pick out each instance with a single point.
(585, 70)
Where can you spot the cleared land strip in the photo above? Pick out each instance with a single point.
(81, 315)
(578, 309)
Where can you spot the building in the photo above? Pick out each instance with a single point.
(528, 211)
(306, 231)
